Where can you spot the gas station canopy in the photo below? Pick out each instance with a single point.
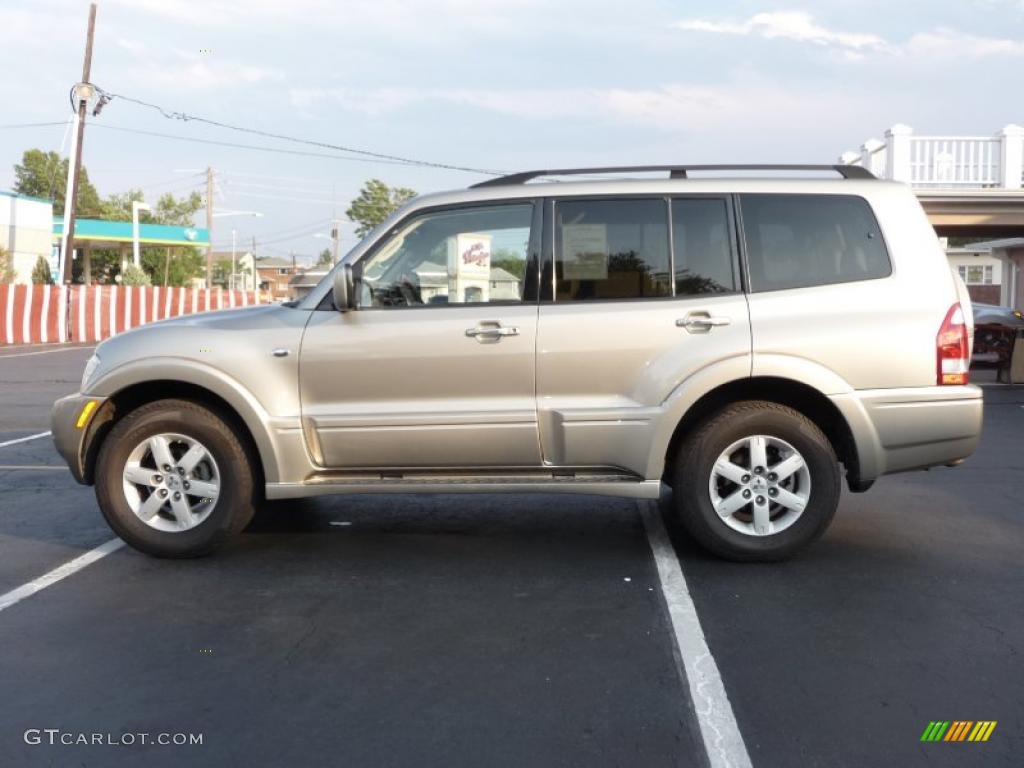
(98, 233)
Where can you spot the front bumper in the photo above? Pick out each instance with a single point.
(72, 441)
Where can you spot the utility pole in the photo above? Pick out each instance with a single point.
(75, 163)
(209, 226)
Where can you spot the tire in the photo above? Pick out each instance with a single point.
(174, 530)
(746, 534)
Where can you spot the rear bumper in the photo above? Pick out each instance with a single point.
(72, 442)
(896, 430)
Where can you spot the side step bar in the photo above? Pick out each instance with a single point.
(601, 482)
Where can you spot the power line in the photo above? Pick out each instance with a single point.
(172, 115)
(235, 145)
(32, 125)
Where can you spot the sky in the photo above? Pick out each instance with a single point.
(499, 85)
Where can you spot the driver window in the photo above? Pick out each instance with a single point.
(462, 256)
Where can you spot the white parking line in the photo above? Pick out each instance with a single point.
(43, 352)
(58, 573)
(722, 739)
(25, 439)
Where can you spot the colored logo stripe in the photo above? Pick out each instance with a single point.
(958, 730)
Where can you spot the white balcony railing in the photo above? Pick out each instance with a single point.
(956, 162)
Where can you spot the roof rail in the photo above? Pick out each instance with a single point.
(675, 172)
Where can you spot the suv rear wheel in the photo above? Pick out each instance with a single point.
(757, 481)
(173, 479)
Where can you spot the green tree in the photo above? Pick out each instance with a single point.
(6, 266)
(41, 272)
(133, 275)
(325, 259)
(45, 174)
(376, 201)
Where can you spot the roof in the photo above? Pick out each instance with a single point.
(267, 262)
(97, 230)
(19, 196)
(309, 277)
(226, 255)
(991, 245)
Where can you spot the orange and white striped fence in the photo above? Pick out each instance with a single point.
(34, 314)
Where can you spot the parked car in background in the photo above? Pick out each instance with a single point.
(744, 341)
(995, 330)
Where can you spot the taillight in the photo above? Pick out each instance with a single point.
(952, 348)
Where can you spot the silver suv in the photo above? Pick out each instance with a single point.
(744, 341)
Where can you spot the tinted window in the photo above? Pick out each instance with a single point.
(794, 241)
(463, 256)
(700, 238)
(611, 249)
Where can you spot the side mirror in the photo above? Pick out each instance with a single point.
(344, 289)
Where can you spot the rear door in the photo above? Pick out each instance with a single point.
(638, 294)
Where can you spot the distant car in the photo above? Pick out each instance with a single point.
(995, 329)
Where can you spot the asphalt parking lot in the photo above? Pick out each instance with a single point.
(508, 631)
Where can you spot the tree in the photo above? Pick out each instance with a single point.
(376, 201)
(45, 174)
(133, 275)
(6, 266)
(41, 272)
(325, 259)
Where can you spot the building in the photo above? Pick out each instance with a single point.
(304, 282)
(992, 270)
(244, 269)
(26, 232)
(274, 276)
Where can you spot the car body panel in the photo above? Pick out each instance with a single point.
(406, 387)
(588, 397)
(606, 369)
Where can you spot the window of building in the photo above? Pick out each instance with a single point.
(611, 249)
(796, 241)
(980, 274)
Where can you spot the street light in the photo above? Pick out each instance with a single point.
(137, 205)
(220, 214)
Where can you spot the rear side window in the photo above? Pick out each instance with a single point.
(611, 249)
(797, 241)
(700, 238)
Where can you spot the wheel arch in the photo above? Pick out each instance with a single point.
(123, 400)
(801, 397)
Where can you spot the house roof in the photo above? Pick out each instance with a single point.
(989, 245)
(273, 261)
(226, 255)
(309, 277)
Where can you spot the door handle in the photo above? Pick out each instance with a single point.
(491, 332)
(702, 322)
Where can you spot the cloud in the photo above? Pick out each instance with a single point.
(788, 25)
(800, 27)
(950, 43)
(671, 108)
(191, 72)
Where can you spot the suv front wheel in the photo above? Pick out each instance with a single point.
(757, 481)
(173, 479)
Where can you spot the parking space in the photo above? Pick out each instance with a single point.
(494, 630)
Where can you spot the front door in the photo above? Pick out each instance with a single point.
(436, 368)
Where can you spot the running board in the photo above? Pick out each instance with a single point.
(605, 483)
